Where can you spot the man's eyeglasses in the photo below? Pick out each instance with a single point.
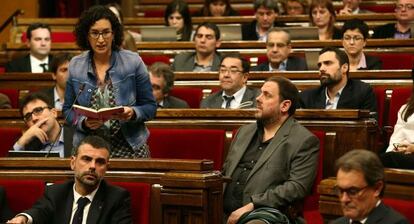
(354, 38)
(400, 7)
(352, 192)
(36, 111)
(105, 34)
(232, 71)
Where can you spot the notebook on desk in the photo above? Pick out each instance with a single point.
(13, 153)
(158, 33)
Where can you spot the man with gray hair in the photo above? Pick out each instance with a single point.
(266, 12)
(278, 48)
(162, 81)
(360, 185)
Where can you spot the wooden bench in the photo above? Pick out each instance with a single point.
(182, 191)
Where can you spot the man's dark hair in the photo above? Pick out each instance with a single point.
(287, 91)
(35, 26)
(32, 97)
(160, 69)
(364, 161)
(211, 26)
(244, 62)
(88, 19)
(95, 141)
(58, 60)
(340, 55)
(269, 4)
(354, 24)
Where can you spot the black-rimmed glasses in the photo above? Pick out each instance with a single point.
(36, 111)
(105, 34)
(351, 192)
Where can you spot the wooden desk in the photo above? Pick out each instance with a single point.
(183, 191)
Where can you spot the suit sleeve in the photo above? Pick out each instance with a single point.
(302, 173)
(43, 210)
(122, 211)
(369, 100)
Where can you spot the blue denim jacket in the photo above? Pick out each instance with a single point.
(132, 88)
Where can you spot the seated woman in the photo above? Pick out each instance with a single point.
(216, 8)
(296, 7)
(177, 14)
(400, 152)
(354, 39)
(322, 15)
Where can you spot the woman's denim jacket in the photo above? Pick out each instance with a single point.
(132, 88)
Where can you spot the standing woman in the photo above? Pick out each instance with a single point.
(217, 8)
(177, 14)
(106, 76)
(322, 15)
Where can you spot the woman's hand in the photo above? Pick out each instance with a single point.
(406, 148)
(93, 124)
(126, 115)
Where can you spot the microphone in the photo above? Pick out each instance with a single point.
(81, 88)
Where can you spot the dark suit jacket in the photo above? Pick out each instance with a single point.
(355, 95)
(382, 214)
(373, 63)
(5, 212)
(292, 64)
(68, 131)
(285, 171)
(216, 100)
(21, 64)
(384, 31)
(185, 62)
(110, 205)
(249, 30)
(174, 102)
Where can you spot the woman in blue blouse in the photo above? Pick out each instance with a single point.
(107, 76)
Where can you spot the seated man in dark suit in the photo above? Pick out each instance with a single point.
(88, 198)
(233, 74)
(266, 12)
(5, 212)
(38, 60)
(4, 101)
(360, 186)
(162, 81)
(354, 39)
(59, 67)
(44, 132)
(337, 90)
(272, 162)
(404, 12)
(205, 58)
(278, 48)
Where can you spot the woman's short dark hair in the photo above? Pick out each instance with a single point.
(354, 24)
(181, 7)
(205, 11)
(89, 18)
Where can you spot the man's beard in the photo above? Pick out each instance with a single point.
(86, 182)
(328, 81)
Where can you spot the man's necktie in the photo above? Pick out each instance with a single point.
(77, 218)
(44, 66)
(228, 100)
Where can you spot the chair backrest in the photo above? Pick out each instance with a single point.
(312, 201)
(8, 137)
(395, 60)
(57, 37)
(151, 59)
(188, 144)
(22, 194)
(399, 97)
(192, 95)
(405, 207)
(380, 95)
(13, 95)
(140, 200)
(379, 8)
